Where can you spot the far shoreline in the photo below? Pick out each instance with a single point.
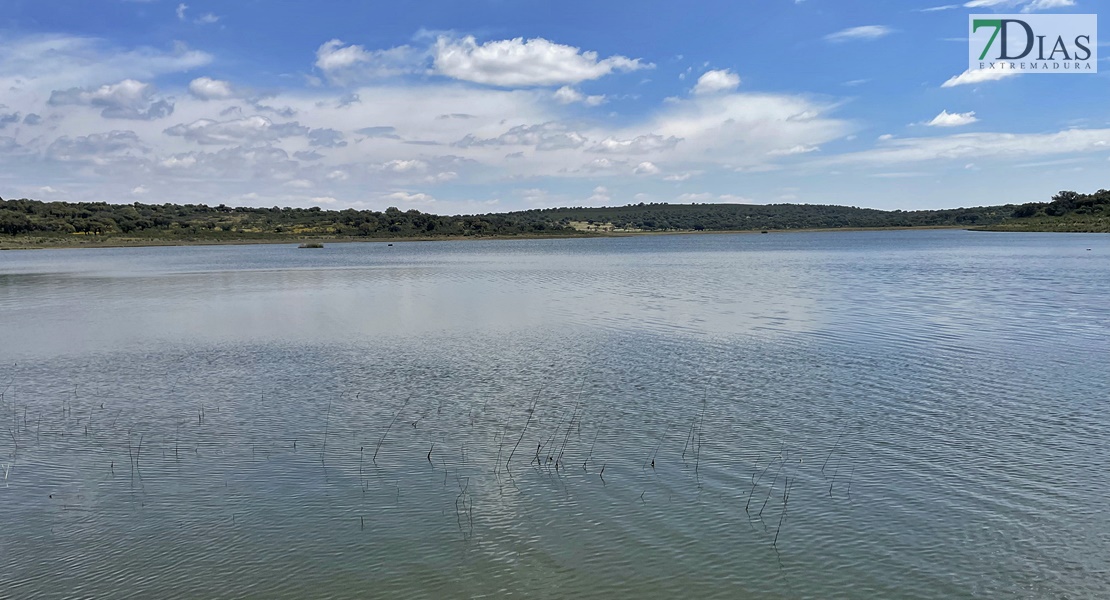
(153, 243)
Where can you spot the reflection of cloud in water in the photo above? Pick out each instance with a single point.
(420, 289)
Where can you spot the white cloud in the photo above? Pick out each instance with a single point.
(405, 166)
(180, 12)
(524, 63)
(128, 99)
(717, 81)
(863, 32)
(707, 198)
(600, 196)
(987, 3)
(207, 88)
(41, 63)
(430, 134)
(642, 144)
(1047, 5)
(1001, 71)
(947, 119)
(346, 64)
(799, 149)
(140, 190)
(410, 198)
(569, 95)
(323, 200)
(443, 177)
(97, 148)
(979, 147)
(544, 136)
(249, 129)
(1027, 5)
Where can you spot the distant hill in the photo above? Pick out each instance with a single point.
(747, 217)
(1067, 212)
(63, 223)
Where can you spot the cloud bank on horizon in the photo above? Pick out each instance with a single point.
(492, 107)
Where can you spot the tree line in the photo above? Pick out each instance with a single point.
(200, 221)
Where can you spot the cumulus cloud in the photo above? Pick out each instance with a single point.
(206, 88)
(482, 135)
(863, 32)
(236, 131)
(524, 63)
(947, 119)
(712, 82)
(128, 99)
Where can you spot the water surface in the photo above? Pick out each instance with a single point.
(270, 422)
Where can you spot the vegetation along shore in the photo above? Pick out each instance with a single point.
(34, 224)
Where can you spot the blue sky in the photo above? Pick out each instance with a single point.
(463, 107)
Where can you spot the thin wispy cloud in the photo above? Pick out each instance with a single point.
(861, 33)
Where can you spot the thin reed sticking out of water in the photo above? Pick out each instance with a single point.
(785, 501)
(327, 422)
(773, 482)
(657, 446)
(840, 437)
(570, 427)
(591, 453)
(531, 413)
(382, 440)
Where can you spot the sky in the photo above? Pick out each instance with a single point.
(455, 106)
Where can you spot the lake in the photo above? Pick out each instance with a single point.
(886, 414)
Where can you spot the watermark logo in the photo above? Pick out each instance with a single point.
(1033, 43)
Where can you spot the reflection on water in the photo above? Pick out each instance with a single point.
(258, 421)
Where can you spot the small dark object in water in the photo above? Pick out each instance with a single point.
(311, 245)
(390, 244)
(764, 231)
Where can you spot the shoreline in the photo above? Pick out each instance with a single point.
(6, 244)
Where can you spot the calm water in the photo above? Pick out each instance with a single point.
(911, 414)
